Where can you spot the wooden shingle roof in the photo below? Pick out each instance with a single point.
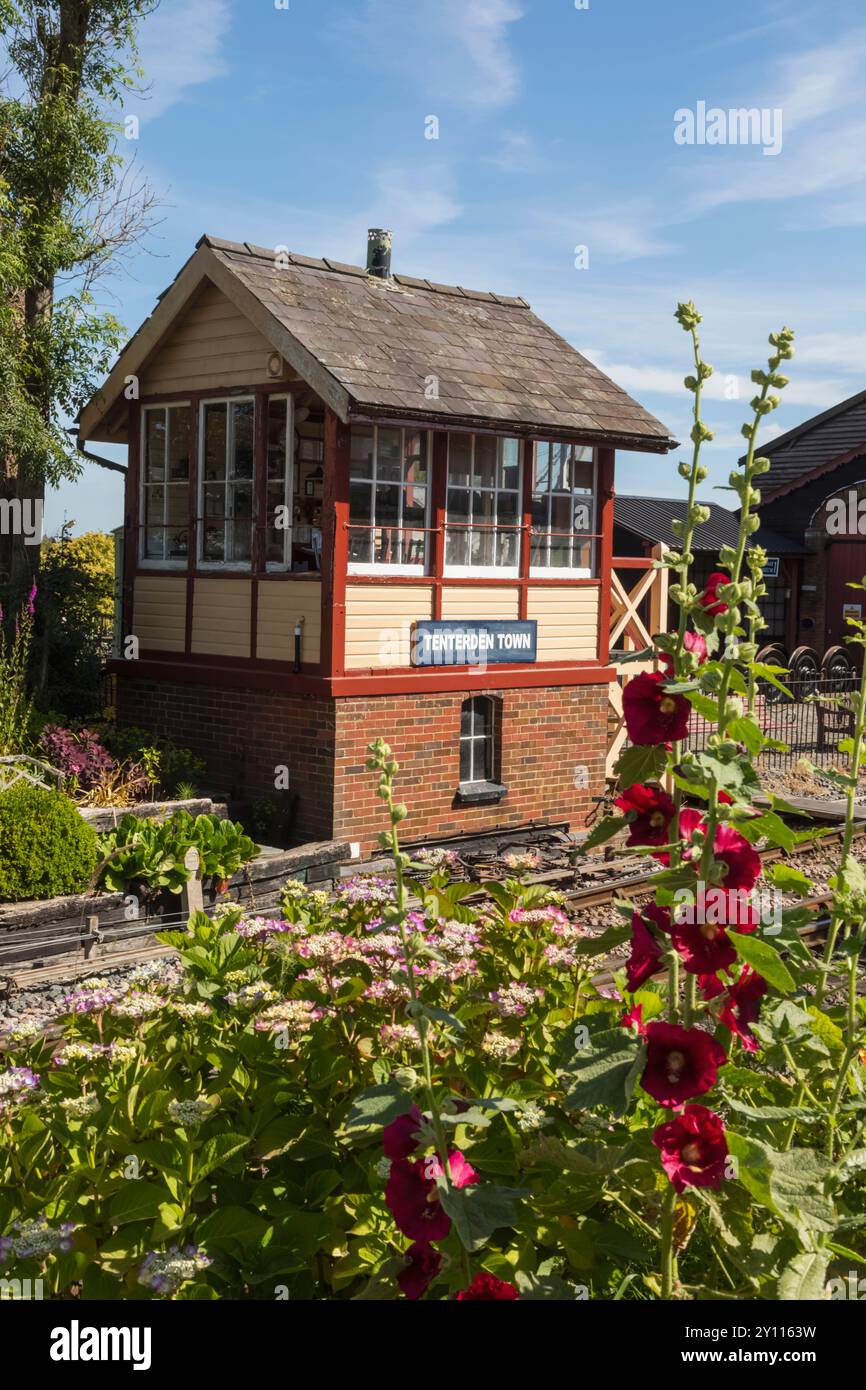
(406, 349)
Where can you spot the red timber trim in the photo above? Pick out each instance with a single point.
(438, 514)
(428, 581)
(605, 549)
(632, 562)
(335, 544)
(132, 536)
(260, 507)
(278, 676)
(528, 453)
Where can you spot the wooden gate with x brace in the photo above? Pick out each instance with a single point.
(629, 632)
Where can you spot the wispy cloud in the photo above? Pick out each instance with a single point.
(456, 49)
(180, 47)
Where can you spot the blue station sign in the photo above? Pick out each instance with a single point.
(474, 643)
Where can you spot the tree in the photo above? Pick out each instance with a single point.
(69, 204)
(74, 611)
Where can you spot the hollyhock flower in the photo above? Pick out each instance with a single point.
(681, 1063)
(486, 1288)
(646, 953)
(400, 1138)
(411, 1195)
(704, 944)
(741, 1005)
(692, 642)
(634, 1019)
(423, 1263)
(709, 599)
(742, 862)
(651, 714)
(652, 811)
(693, 1148)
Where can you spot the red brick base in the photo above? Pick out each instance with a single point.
(552, 752)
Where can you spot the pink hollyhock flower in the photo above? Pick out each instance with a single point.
(423, 1263)
(634, 1019)
(693, 1148)
(646, 953)
(709, 599)
(681, 1063)
(742, 863)
(692, 642)
(411, 1195)
(652, 716)
(400, 1138)
(652, 811)
(704, 945)
(486, 1288)
(742, 1003)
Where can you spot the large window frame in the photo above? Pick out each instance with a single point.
(226, 482)
(456, 522)
(478, 751)
(374, 482)
(271, 483)
(178, 562)
(547, 496)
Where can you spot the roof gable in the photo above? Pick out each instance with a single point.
(818, 445)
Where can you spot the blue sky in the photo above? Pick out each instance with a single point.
(305, 125)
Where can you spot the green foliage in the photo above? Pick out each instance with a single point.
(74, 622)
(16, 702)
(175, 772)
(47, 848)
(151, 852)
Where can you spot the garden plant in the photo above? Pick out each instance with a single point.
(400, 1093)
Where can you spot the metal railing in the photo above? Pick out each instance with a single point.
(812, 720)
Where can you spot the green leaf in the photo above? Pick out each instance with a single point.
(479, 1211)
(136, 1201)
(789, 880)
(745, 730)
(771, 827)
(601, 1071)
(217, 1151)
(378, 1106)
(231, 1224)
(640, 763)
(605, 830)
(805, 1277)
(765, 959)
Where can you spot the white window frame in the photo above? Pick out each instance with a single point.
(361, 567)
(471, 571)
(565, 571)
(276, 566)
(488, 741)
(236, 566)
(147, 561)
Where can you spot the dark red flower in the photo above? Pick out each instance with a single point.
(423, 1263)
(741, 1005)
(646, 953)
(651, 714)
(486, 1288)
(693, 1148)
(681, 1063)
(742, 862)
(400, 1137)
(692, 642)
(652, 811)
(702, 937)
(412, 1196)
(634, 1019)
(709, 599)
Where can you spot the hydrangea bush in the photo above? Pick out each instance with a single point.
(411, 1091)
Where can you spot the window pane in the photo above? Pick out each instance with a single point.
(414, 506)
(213, 523)
(178, 448)
(415, 457)
(506, 548)
(541, 479)
(154, 541)
(466, 761)
(244, 448)
(482, 547)
(481, 713)
(154, 467)
(214, 441)
(508, 508)
(389, 463)
(360, 502)
(583, 477)
(277, 418)
(560, 471)
(361, 454)
(459, 453)
(509, 464)
(457, 547)
(458, 504)
(361, 547)
(486, 453)
(275, 538)
(560, 513)
(583, 515)
(583, 555)
(387, 504)
(467, 719)
(154, 504)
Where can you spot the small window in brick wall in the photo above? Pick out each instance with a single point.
(479, 751)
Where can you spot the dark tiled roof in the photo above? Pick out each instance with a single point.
(651, 517)
(815, 444)
(383, 340)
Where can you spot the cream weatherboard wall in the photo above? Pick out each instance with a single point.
(280, 604)
(159, 612)
(211, 345)
(567, 622)
(379, 622)
(221, 617)
(463, 605)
